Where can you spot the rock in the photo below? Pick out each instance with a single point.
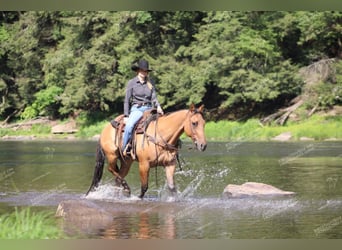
(66, 128)
(331, 139)
(282, 137)
(96, 137)
(253, 189)
(306, 139)
(82, 216)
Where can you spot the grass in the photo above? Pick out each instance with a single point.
(25, 224)
(39, 130)
(91, 130)
(316, 127)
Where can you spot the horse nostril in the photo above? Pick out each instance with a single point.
(203, 147)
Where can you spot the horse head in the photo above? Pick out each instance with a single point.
(194, 127)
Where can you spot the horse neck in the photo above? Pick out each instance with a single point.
(171, 126)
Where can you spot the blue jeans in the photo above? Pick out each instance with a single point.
(134, 116)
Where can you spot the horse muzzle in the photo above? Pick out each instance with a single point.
(200, 146)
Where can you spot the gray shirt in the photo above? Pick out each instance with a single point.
(139, 93)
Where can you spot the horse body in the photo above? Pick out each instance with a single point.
(157, 147)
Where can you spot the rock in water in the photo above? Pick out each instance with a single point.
(82, 216)
(253, 189)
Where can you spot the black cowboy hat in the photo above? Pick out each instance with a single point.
(141, 64)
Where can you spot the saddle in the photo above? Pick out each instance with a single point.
(139, 128)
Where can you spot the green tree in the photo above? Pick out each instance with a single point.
(238, 64)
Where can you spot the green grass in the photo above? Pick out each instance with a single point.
(91, 130)
(316, 127)
(25, 224)
(36, 130)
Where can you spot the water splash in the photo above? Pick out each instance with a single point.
(108, 192)
(222, 173)
(185, 173)
(192, 187)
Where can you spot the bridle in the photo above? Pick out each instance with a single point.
(193, 135)
(168, 146)
(164, 143)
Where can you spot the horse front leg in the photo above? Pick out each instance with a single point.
(144, 169)
(170, 171)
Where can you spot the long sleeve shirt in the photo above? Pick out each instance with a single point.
(139, 93)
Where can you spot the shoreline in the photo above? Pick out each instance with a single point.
(95, 138)
(315, 128)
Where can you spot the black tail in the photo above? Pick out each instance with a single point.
(100, 159)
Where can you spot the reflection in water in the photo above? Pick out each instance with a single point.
(141, 226)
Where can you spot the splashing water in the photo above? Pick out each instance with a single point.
(108, 192)
(192, 187)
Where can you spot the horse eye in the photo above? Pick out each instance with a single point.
(194, 124)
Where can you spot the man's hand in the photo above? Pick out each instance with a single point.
(159, 110)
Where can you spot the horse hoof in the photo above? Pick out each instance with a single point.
(126, 192)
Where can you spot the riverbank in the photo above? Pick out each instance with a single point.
(315, 128)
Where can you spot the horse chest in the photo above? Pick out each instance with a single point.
(165, 158)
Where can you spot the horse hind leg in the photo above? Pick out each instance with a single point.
(124, 169)
(119, 178)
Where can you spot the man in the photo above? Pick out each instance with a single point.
(140, 96)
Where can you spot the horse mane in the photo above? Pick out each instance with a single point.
(171, 113)
(196, 111)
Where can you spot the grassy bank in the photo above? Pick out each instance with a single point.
(316, 127)
(25, 224)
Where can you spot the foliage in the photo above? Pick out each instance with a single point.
(327, 92)
(43, 104)
(25, 224)
(62, 63)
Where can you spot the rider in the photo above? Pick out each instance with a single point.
(140, 96)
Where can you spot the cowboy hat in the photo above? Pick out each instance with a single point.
(141, 64)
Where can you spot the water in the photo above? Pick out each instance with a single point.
(42, 174)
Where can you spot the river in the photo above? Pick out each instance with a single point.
(41, 174)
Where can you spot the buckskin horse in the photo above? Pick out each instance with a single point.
(156, 147)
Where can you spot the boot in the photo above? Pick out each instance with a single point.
(127, 151)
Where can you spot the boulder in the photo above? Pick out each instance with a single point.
(303, 138)
(253, 189)
(90, 216)
(82, 216)
(282, 137)
(66, 128)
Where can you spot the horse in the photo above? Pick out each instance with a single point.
(158, 146)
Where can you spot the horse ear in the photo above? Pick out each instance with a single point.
(192, 107)
(201, 108)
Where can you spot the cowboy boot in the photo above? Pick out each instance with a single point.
(127, 151)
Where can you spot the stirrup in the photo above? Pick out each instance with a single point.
(127, 150)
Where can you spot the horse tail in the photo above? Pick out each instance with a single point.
(98, 171)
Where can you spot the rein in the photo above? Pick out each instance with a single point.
(168, 146)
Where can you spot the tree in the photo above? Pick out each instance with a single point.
(239, 64)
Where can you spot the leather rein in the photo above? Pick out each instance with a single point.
(163, 143)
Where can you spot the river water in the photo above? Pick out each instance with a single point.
(41, 174)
